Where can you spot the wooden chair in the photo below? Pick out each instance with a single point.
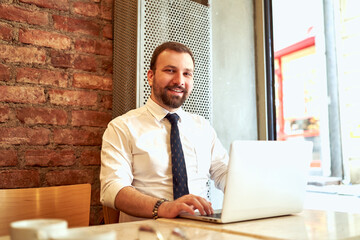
(110, 215)
(71, 203)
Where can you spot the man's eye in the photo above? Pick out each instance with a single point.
(169, 70)
(188, 74)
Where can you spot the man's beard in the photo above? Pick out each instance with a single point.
(170, 101)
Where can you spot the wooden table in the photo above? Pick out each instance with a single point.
(310, 224)
(129, 231)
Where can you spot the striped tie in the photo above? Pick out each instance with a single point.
(180, 185)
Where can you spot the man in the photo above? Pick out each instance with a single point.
(136, 159)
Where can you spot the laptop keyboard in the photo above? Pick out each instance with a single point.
(215, 215)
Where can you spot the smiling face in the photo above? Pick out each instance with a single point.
(172, 81)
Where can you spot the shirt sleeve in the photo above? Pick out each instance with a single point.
(219, 162)
(116, 163)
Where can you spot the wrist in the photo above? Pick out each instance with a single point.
(155, 212)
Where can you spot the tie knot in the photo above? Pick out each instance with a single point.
(173, 118)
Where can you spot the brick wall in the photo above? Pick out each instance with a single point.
(55, 92)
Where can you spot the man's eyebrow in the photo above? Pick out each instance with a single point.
(174, 67)
(169, 66)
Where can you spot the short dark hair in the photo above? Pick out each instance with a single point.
(175, 46)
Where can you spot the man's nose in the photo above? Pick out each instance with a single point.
(179, 79)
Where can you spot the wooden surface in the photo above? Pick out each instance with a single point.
(129, 231)
(310, 224)
(71, 203)
(110, 215)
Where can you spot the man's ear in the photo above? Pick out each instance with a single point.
(150, 77)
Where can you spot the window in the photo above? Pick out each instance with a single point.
(316, 88)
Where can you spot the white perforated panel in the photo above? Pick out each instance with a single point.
(139, 27)
(183, 21)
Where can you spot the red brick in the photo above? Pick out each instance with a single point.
(19, 179)
(96, 47)
(106, 9)
(89, 81)
(106, 64)
(22, 94)
(95, 196)
(106, 101)
(35, 116)
(104, 48)
(5, 113)
(68, 176)
(19, 135)
(52, 4)
(61, 59)
(17, 14)
(85, 45)
(74, 98)
(6, 32)
(8, 158)
(108, 31)
(86, 9)
(22, 54)
(78, 137)
(50, 158)
(76, 25)
(4, 73)
(86, 63)
(44, 39)
(90, 118)
(42, 76)
(89, 157)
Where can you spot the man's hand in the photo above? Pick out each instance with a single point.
(187, 203)
(135, 203)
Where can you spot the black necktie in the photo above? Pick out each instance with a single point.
(180, 185)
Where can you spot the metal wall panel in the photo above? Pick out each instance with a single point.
(125, 56)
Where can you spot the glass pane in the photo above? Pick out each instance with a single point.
(300, 78)
(317, 88)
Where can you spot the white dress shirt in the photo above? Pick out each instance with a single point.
(136, 152)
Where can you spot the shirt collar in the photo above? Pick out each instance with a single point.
(159, 112)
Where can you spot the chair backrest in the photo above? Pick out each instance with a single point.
(110, 215)
(71, 203)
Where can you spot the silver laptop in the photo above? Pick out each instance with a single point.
(265, 179)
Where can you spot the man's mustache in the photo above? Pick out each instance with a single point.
(178, 87)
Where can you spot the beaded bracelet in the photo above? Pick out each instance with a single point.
(156, 207)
